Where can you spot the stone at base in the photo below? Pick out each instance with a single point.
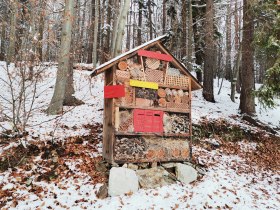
(154, 177)
(122, 180)
(168, 165)
(132, 166)
(185, 173)
(102, 192)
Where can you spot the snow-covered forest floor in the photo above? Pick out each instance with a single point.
(57, 164)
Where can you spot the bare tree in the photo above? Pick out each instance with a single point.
(139, 31)
(247, 99)
(94, 53)
(228, 42)
(62, 94)
(190, 36)
(209, 52)
(12, 36)
(120, 27)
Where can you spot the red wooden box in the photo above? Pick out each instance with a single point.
(114, 91)
(148, 121)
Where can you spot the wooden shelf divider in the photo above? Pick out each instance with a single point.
(152, 134)
(157, 109)
(173, 87)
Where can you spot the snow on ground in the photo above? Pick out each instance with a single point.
(224, 186)
(43, 127)
(225, 108)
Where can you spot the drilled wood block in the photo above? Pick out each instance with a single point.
(181, 81)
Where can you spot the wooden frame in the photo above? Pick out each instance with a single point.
(113, 111)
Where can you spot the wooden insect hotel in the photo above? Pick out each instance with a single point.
(147, 106)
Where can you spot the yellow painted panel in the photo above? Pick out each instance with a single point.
(137, 83)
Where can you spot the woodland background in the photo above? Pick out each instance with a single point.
(51, 149)
(230, 39)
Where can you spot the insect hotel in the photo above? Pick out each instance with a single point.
(147, 106)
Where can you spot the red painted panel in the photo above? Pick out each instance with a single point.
(151, 54)
(114, 91)
(148, 121)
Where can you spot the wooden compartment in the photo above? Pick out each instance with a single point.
(180, 81)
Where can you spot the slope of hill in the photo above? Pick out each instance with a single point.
(57, 164)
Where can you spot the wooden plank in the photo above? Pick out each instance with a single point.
(152, 134)
(174, 110)
(173, 87)
(108, 129)
(190, 118)
(143, 84)
(117, 118)
(155, 55)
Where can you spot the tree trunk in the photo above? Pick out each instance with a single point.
(3, 38)
(128, 33)
(209, 52)
(120, 28)
(41, 28)
(63, 72)
(81, 48)
(164, 16)
(12, 39)
(235, 75)
(184, 32)
(108, 32)
(139, 34)
(95, 35)
(198, 14)
(237, 48)
(228, 42)
(91, 33)
(190, 34)
(103, 32)
(247, 99)
(116, 18)
(150, 21)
